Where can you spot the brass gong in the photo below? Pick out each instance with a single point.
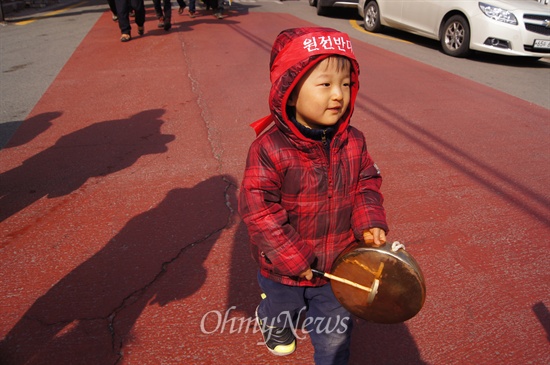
(389, 285)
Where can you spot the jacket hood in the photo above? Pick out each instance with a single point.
(294, 52)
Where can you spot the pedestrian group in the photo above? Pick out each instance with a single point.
(123, 10)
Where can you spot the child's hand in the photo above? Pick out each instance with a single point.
(308, 274)
(375, 236)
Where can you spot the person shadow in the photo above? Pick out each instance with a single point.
(372, 343)
(158, 257)
(96, 150)
(27, 130)
(543, 315)
(387, 344)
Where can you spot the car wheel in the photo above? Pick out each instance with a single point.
(313, 2)
(321, 10)
(372, 17)
(455, 39)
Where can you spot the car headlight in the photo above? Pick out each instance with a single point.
(499, 14)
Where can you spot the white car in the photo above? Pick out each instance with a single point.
(506, 27)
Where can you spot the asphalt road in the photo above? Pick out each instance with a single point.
(36, 43)
(119, 237)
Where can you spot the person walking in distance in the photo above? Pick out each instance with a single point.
(216, 6)
(192, 8)
(164, 12)
(123, 10)
(112, 7)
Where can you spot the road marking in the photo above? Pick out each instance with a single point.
(358, 27)
(49, 14)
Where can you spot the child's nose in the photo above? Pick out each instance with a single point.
(337, 93)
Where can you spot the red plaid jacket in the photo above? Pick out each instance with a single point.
(303, 205)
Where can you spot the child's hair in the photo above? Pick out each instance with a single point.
(343, 62)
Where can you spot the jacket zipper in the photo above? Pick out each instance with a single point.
(326, 150)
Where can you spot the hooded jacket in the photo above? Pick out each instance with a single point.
(302, 201)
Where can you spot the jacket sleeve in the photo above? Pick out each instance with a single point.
(368, 211)
(266, 219)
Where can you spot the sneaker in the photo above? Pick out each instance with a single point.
(191, 14)
(279, 341)
(125, 38)
(161, 22)
(218, 15)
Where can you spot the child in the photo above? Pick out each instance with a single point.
(309, 190)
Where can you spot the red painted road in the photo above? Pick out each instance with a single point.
(120, 242)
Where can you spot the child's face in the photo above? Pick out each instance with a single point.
(322, 96)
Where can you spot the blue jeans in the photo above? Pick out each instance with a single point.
(328, 323)
(192, 6)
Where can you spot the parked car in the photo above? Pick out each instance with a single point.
(506, 27)
(323, 6)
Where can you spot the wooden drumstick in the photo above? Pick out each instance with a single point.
(342, 280)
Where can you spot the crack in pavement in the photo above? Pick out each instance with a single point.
(118, 345)
(215, 147)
